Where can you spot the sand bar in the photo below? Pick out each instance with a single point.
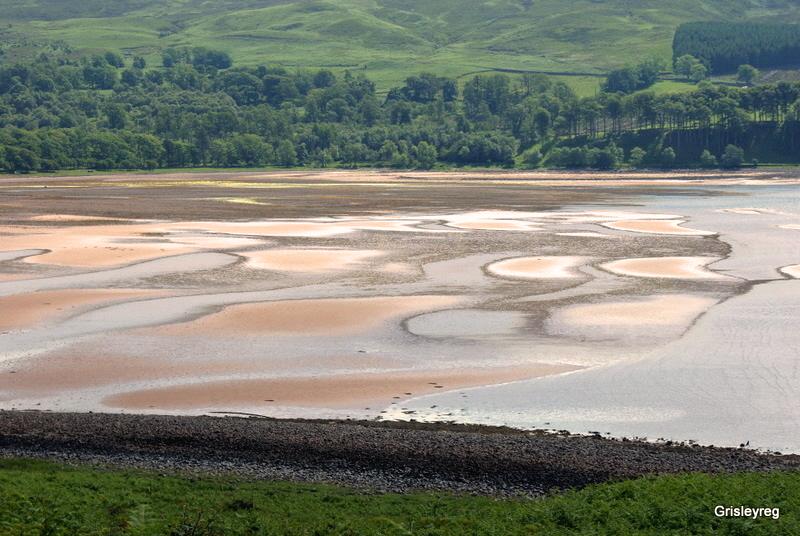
(662, 311)
(668, 227)
(334, 391)
(166, 265)
(90, 365)
(308, 260)
(19, 254)
(792, 271)
(25, 310)
(90, 247)
(67, 218)
(664, 267)
(537, 267)
(309, 317)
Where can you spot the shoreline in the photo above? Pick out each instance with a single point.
(369, 455)
(577, 174)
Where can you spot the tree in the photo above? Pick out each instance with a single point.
(532, 158)
(387, 152)
(100, 76)
(607, 158)
(684, 64)
(708, 160)
(21, 160)
(668, 157)
(139, 62)
(324, 79)
(746, 74)
(636, 157)
(285, 154)
(733, 157)
(630, 79)
(698, 73)
(131, 77)
(114, 59)
(426, 155)
(117, 116)
(204, 58)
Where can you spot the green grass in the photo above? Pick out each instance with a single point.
(387, 39)
(44, 498)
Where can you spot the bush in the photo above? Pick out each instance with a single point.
(636, 157)
(708, 160)
(532, 159)
(733, 157)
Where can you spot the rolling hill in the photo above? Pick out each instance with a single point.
(386, 39)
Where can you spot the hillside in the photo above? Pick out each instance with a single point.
(386, 39)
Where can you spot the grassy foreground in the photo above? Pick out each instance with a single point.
(45, 498)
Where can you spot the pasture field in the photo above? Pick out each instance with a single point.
(385, 39)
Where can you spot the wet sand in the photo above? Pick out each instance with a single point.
(339, 287)
(792, 271)
(309, 260)
(332, 391)
(309, 317)
(657, 227)
(26, 310)
(537, 267)
(600, 320)
(664, 267)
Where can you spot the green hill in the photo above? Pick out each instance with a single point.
(387, 39)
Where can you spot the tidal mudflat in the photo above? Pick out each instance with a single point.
(657, 305)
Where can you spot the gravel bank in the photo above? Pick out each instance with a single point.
(376, 456)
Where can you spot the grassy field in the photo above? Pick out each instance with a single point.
(386, 39)
(44, 498)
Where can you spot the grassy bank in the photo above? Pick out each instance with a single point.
(45, 498)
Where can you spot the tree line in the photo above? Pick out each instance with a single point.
(196, 109)
(723, 46)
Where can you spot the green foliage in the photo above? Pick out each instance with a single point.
(609, 157)
(667, 157)
(59, 113)
(698, 73)
(746, 74)
(723, 46)
(44, 498)
(708, 160)
(425, 154)
(691, 68)
(532, 158)
(636, 157)
(733, 157)
(630, 79)
(387, 40)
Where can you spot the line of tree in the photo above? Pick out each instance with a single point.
(723, 46)
(110, 112)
